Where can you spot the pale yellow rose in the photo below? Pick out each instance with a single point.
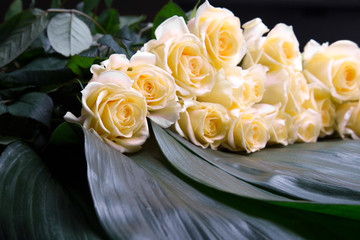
(279, 48)
(279, 130)
(116, 114)
(204, 124)
(247, 132)
(336, 66)
(183, 55)
(320, 101)
(157, 86)
(305, 126)
(287, 87)
(220, 31)
(348, 119)
(114, 62)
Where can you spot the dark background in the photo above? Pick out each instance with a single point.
(321, 20)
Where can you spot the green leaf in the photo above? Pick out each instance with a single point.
(45, 73)
(142, 197)
(15, 8)
(108, 3)
(68, 35)
(17, 34)
(55, 3)
(67, 134)
(109, 20)
(169, 10)
(109, 41)
(89, 5)
(131, 20)
(34, 105)
(81, 65)
(193, 12)
(310, 175)
(34, 205)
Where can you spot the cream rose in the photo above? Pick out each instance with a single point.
(336, 66)
(220, 31)
(114, 62)
(183, 56)
(279, 130)
(278, 49)
(117, 114)
(348, 119)
(247, 132)
(320, 101)
(305, 126)
(204, 124)
(287, 87)
(157, 86)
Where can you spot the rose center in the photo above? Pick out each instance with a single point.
(287, 50)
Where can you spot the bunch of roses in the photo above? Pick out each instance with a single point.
(190, 79)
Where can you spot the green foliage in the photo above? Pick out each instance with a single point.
(15, 8)
(81, 65)
(17, 34)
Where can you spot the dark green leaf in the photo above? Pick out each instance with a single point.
(131, 20)
(311, 175)
(109, 41)
(34, 105)
(193, 12)
(15, 8)
(109, 20)
(139, 197)
(17, 34)
(67, 134)
(81, 65)
(45, 73)
(33, 205)
(169, 10)
(89, 5)
(55, 3)
(108, 3)
(68, 34)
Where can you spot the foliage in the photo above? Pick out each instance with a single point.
(55, 186)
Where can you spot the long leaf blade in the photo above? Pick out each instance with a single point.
(33, 205)
(138, 196)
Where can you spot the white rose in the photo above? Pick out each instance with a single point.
(220, 31)
(117, 114)
(115, 62)
(348, 119)
(204, 124)
(157, 86)
(183, 55)
(247, 132)
(287, 87)
(320, 101)
(337, 67)
(278, 49)
(305, 126)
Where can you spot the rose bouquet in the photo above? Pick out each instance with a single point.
(194, 126)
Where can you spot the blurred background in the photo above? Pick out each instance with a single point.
(321, 20)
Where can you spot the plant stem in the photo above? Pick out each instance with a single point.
(59, 10)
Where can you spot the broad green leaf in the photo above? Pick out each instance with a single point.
(44, 73)
(34, 205)
(169, 10)
(34, 105)
(15, 8)
(66, 134)
(311, 175)
(141, 196)
(109, 20)
(131, 20)
(68, 35)
(81, 65)
(89, 5)
(17, 34)
(109, 41)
